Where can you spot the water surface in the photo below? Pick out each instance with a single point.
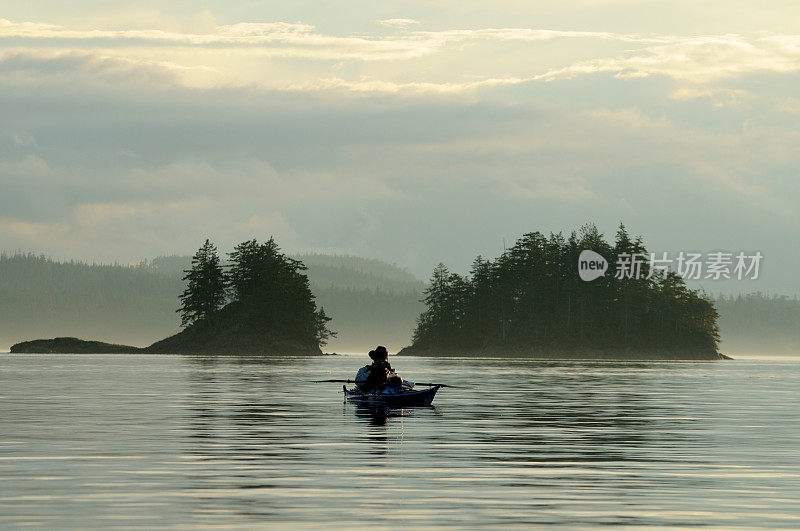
(129, 440)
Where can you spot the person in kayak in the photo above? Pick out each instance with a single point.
(381, 373)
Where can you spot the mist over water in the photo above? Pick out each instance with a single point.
(99, 441)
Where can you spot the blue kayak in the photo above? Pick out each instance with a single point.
(397, 397)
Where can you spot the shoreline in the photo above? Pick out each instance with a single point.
(580, 353)
(73, 345)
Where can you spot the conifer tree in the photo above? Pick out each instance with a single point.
(205, 286)
(273, 295)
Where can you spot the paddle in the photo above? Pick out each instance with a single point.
(353, 381)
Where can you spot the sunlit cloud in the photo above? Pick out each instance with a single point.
(697, 59)
(463, 58)
(719, 97)
(275, 38)
(39, 65)
(390, 87)
(398, 22)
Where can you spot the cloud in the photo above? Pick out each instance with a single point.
(390, 87)
(789, 105)
(719, 97)
(38, 66)
(242, 33)
(398, 22)
(531, 34)
(700, 59)
(127, 143)
(160, 173)
(446, 61)
(298, 39)
(273, 38)
(23, 140)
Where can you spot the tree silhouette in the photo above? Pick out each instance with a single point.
(531, 295)
(271, 293)
(205, 286)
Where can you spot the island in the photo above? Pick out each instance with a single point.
(261, 304)
(532, 302)
(71, 345)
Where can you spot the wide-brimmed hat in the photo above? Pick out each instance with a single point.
(380, 353)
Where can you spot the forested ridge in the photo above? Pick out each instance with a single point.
(759, 323)
(531, 296)
(124, 304)
(136, 304)
(324, 271)
(351, 272)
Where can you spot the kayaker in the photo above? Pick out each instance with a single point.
(381, 373)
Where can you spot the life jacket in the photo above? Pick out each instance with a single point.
(362, 376)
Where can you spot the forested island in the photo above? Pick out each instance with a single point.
(369, 300)
(530, 301)
(261, 303)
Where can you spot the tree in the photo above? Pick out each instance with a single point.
(433, 323)
(205, 286)
(321, 330)
(272, 293)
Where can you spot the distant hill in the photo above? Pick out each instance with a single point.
(173, 265)
(757, 323)
(121, 304)
(370, 301)
(325, 271)
(352, 272)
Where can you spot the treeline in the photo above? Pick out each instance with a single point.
(325, 276)
(135, 304)
(757, 323)
(532, 296)
(124, 304)
(323, 271)
(346, 271)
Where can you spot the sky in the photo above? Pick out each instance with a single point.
(411, 131)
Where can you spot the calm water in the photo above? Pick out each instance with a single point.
(99, 441)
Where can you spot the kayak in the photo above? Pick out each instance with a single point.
(393, 397)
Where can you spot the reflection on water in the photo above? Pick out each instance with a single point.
(98, 441)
